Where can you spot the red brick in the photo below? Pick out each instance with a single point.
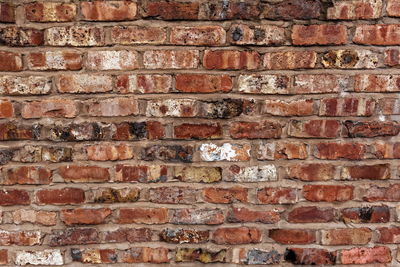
(346, 236)
(198, 131)
(311, 214)
(144, 84)
(112, 107)
(75, 36)
(377, 34)
(46, 218)
(290, 60)
(6, 109)
(143, 215)
(65, 196)
(377, 83)
(171, 59)
(26, 175)
(310, 256)
(236, 236)
(388, 235)
(74, 236)
(386, 150)
(130, 235)
(225, 195)
(54, 60)
(146, 255)
(10, 61)
(16, 36)
(127, 35)
(232, 10)
(389, 106)
(392, 57)
(241, 34)
(371, 128)
(393, 8)
(292, 236)
(84, 83)
(173, 195)
(85, 216)
(255, 130)
(289, 108)
(142, 174)
(112, 60)
(197, 216)
(108, 10)
(243, 215)
(104, 152)
(200, 35)
(352, 151)
(328, 193)
(347, 107)
(172, 108)
(324, 34)
(366, 255)
(231, 59)
(311, 172)
(7, 12)
(377, 193)
(293, 9)
(51, 108)
(171, 10)
(3, 256)
(355, 10)
(320, 83)
(76, 173)
(180, 236)
(315, 128)
(277, 195)
(282, 150)
(374, 214)
(372, 172)
(14, 197)
(202, 83)
(20, 238)
(50, 12)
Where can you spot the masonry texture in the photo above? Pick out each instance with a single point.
(187, 132)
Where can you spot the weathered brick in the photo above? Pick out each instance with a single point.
(9, 197)
(282, 150)
(235, 236)
(377, 34)
(351, 151)
(345, 236)
(311, 214)
(109, 10)
(143, 215)
(94, 255)
(310, 256)
(39, 257)
(198, 174)
(250, 174)
(225, 152)
(198, 131)
(104, 152)
(144, 84)
(389, 106)
(52, 108)
(138, 130)
(388, 235)
(376, 83)
(203, 83)
(290, 60)
(314, 128)
(146, 255)
(74, 236)
(392, 57)
(75, 36)
(17, 36)
(351, 59)
(232, 10)
(182, 236)
(171, 153)
(85, 216)
(347, 106)
(197, 216)
(393, 8)
(7, 12)
(54, 60)
(231, 59)
(200, 254)
(173, 195)
(130, 235)
(170, 10)
(112, 107)
(372, 172)
(29, 85)
(46, 218)
(200, 35)
(121, 195)
(77, 173)
(293, 9)
(371, 128)
(75, 132)
(302, 107)
(255, 130)
(3, 254)
(377, 193)
(84, 83)
(292, 236)
(374, 214)
(277, 195)
(324, 34)
(223, 109)
(128, 35)
(263, 84)
(141, 173)
(258, 256)
(243, 215)
(171, 59)
(20, 238)
(241, 34)
(65, 196)
(366, 255)
(10, 61)
(112, 60)
(328, 193)
(50, 12)
(355, 9)
(11, 131)
(26, 175)
(311, 172)
(225, 195)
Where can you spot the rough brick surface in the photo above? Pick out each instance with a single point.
(195, 132)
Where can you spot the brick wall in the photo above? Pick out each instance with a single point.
(228, 131)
